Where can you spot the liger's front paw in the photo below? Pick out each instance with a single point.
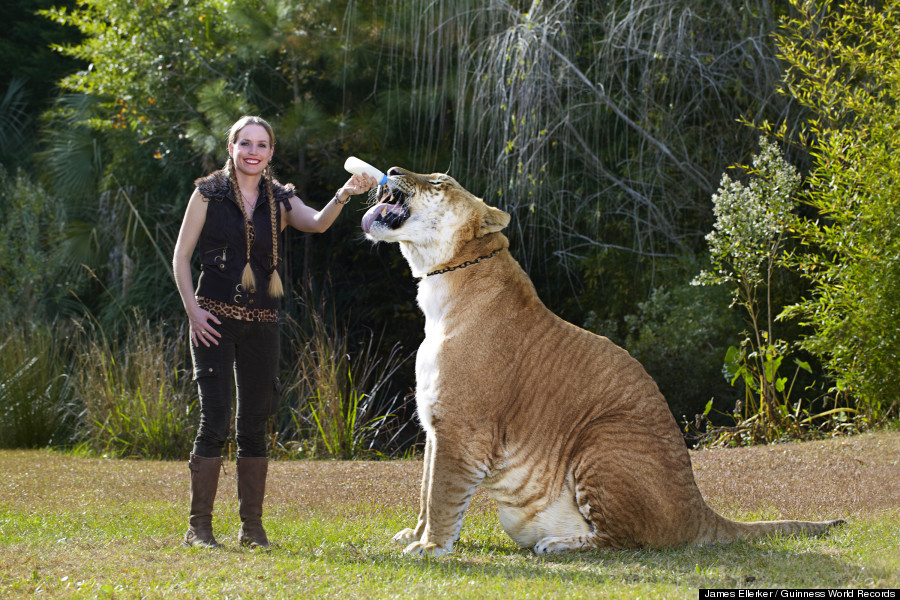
(406, 537)
(426, 549)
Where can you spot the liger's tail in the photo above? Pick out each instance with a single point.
(721, 529)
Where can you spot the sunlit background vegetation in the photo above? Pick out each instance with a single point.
(712, 184)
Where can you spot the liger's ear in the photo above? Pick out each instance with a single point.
(493, 221)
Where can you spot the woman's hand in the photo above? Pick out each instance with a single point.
(358, 184)
(201, 330)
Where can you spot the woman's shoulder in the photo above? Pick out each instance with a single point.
(282, 192)
(215, 186)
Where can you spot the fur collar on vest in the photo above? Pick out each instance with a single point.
(216, 186)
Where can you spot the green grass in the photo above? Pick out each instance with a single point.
(66, 531)
(95, 554)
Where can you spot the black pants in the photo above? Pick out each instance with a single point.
(250, 351)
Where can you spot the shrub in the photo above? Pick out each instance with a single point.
(681, 335)
(32, 227)
(843, 69)
(747, 247)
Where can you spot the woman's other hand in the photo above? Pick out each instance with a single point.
(202, 332)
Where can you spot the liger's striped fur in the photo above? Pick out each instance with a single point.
(564, 429)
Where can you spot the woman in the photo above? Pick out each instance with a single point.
(236, 216)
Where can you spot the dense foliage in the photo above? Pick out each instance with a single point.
(602, 127)
(844, 69)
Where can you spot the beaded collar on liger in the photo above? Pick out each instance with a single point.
(468, 263)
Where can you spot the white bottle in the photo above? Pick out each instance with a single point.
(359, 167)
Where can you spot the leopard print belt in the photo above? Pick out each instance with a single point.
(241, 313)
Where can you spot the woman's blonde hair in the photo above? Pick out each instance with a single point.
(250, 120)
(248, 279)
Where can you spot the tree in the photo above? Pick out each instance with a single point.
(29, 71)
(26, 50)
(600, 126)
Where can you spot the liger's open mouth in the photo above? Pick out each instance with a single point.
(391, 208)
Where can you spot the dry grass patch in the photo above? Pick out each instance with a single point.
(827, 479)
(839, 477)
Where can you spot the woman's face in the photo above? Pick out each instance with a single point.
(251, 150)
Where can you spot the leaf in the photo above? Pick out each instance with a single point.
(733, 367)
(730, 355)
(771, 366)
(779, 383)
(803, 365)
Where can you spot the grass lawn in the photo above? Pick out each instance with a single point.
(73, 527)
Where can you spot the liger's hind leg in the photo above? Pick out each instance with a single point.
(587, 500)
(635, 489)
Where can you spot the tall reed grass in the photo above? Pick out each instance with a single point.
(128, 392)
(343, 404)
(35, 395)
(137, 396)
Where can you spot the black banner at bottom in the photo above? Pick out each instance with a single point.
(889, 594)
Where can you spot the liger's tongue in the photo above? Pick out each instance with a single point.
(391, 215)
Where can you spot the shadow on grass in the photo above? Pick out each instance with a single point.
(734, 565)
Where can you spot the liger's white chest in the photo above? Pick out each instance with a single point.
(434, 301)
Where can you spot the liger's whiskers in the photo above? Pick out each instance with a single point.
(378, 194)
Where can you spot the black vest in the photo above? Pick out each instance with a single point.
(223, 243)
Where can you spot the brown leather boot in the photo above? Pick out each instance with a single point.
(251, 484)
(204, 483)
